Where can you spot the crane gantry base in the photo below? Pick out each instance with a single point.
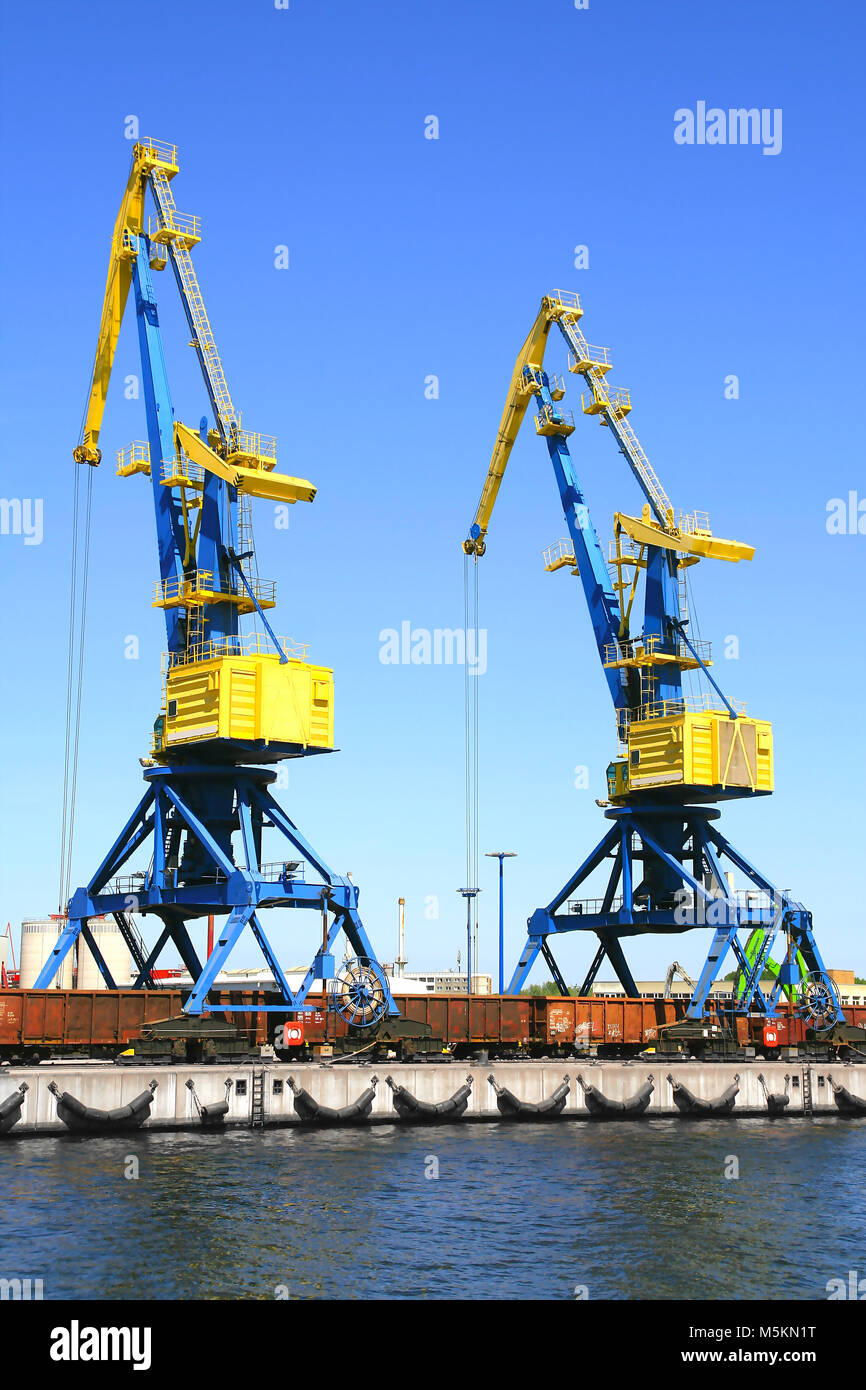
(667, 876)
(189, 813)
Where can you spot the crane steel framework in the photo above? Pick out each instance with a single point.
(678, 755)
(231, 700)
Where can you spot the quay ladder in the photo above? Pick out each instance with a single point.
(257, 1109)
(807, 1090)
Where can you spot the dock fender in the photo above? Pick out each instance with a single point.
(690, 1104)
(511, 1108)
(311, 1112)
(215, 1112)
(86, 1119)
(601, 1107)
(10, 1108)
(848, 1103)
(776, 1100)
(408, 1107)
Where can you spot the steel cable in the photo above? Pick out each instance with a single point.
(73, 584)
(82, 625)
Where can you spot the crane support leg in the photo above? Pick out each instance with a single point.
(190, 813)
(677, 851)
(589, 978)
(554, 968)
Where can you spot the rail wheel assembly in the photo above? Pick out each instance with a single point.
(360, 993)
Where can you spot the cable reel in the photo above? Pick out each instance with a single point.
(818, 1002)
(359, 993)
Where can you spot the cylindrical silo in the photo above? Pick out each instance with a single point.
(115, 953)
(38, 939)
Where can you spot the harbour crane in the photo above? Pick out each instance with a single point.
(679, 753)
(233, 701)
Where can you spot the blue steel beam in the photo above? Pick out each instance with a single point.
(160, 433)
(201, 832)
(101, 962)
(237, 920)
(101, 875)
(525, 964)
(153, 957)
(603, 605)
(62, 947)
(263, 798)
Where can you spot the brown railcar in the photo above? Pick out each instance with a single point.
(53, 1022)
(88, 1021)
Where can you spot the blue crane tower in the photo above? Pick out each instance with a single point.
(234, 702)
(663, 852)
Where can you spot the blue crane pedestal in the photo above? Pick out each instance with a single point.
(189, 814)
(667, 875)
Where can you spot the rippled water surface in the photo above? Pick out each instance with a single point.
(630, 1211)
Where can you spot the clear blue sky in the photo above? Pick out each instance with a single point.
(411, 257)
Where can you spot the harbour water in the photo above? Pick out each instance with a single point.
(660, 1209)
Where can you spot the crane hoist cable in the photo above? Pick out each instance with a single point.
(70, 663)
(74, 677)
(470, 713)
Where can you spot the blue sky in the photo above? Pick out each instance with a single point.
(411, 257)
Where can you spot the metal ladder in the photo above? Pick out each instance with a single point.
(245, 538)
(195, 308)
(682, 594)
(807, 1090)
(622, 430)
(135, 945)
(257, 1109)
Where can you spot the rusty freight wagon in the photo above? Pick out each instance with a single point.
(38, 1024)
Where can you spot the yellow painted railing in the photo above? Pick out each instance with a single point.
(182, 472)
(564, 301)
(135, 458)
(252, 444)
(183, 226)
(551, 420)
(636, 647)
(161, 151)
(559, 554)
(200, 585)
(667, 709)
(247, 644)
(694, 523)
(585, 356)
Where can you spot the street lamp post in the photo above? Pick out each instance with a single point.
(469, 894)
(501, 854)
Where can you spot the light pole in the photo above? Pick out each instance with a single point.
(469, 894)
(501, 854)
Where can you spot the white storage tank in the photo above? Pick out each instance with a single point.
(115, 953)
(38, 939)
